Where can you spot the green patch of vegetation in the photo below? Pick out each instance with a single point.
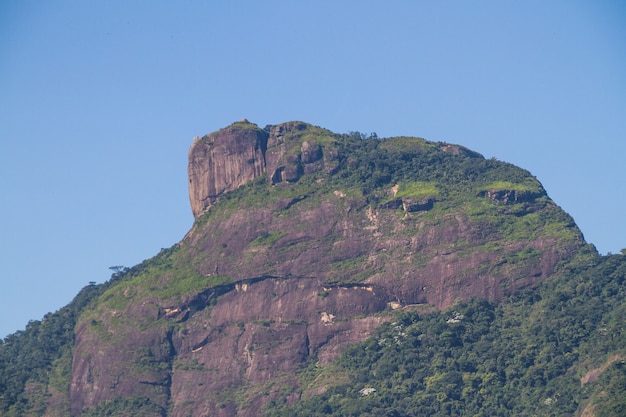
(191, 284)
(117, 297)
(513, 223)
(136, 406)
(523, 255)
(348, 264)
(417, 189)
(611, 401)
(166, 276)
(293, 139)
(41, 355)
(529, 184)
(559, 225)
(267, 238)
(245, 125)
(406, 143)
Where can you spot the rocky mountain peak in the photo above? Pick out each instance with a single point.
(223, 161)
(305, 242)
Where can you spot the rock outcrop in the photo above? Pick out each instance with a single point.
(221, 324)
(231, 157)
(501, 196)
(257, 331)
(223, 161)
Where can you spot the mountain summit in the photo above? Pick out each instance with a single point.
(223, 161)
(305, 242)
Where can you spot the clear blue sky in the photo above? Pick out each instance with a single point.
(100, 101)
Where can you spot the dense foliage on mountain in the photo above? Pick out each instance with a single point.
(39, 358)
(333, 274)
(534, 353)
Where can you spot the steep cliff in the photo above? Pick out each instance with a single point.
(223, 161)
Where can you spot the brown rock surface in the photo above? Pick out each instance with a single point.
(223, 161)
(231, 157)
(308, 273)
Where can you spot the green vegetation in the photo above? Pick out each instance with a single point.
(267, 238)
(190, 285)
(525, 356)
(246, 125)
(40, 356)
(402, 143)
(611, 401)
(166, 276)
(127, 407)
(527, 185)
(417, 189)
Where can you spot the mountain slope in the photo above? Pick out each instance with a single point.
(557, 350)
(305, 243)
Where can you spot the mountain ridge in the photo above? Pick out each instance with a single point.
(305, 242)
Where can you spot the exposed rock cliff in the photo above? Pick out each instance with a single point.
(223, 161)
(306, 262)
(231, 157)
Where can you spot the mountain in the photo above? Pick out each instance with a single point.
(340, 274)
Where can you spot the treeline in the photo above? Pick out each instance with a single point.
(369, 164)
(39, 358)
(40, 355)
(525, 356)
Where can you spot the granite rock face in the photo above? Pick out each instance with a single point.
(231, 157)
(258, 289)
(222, 162)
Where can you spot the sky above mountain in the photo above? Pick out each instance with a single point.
(100, 101)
